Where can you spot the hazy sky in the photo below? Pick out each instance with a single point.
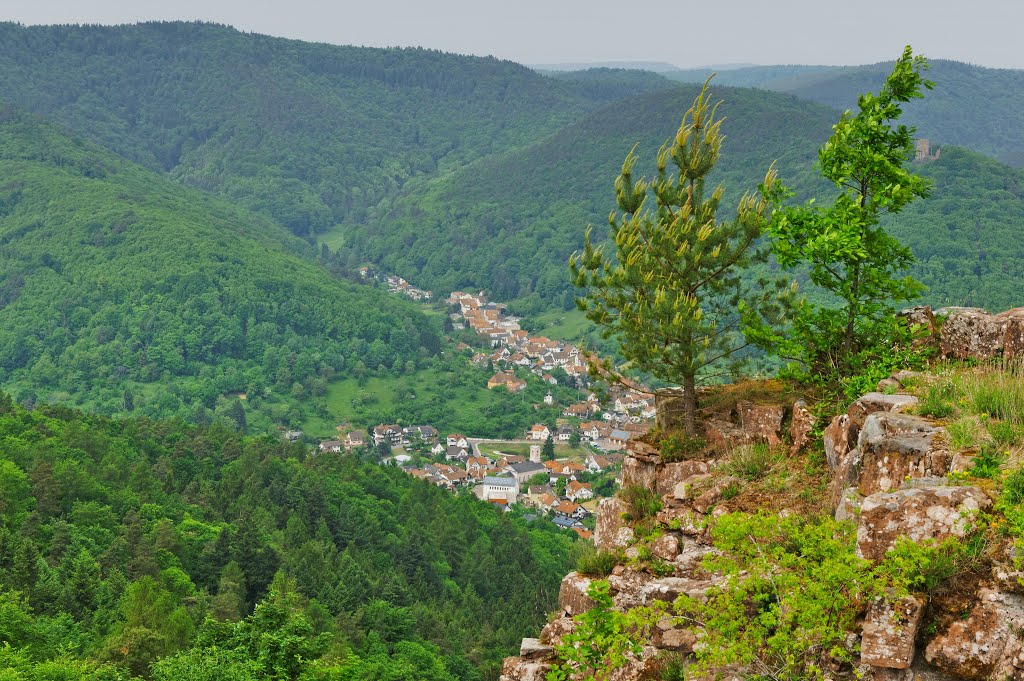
(682, 32)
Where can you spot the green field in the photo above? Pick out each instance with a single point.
(492, 449)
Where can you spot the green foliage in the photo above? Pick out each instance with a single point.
(679, 447)
(163, 549)
(925, 566)
(962, 433)
(938, 400)
(1004, 433)
(988, 461)
(605, 638)
(669, 294)
(849, 255)
(794, 589)
(999, 394)
(751, 462)
(596, 563)
(642, 503)
(119, 280)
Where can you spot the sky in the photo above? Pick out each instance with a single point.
(681, 32)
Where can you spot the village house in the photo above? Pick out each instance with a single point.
(507, 380)
(545, 502)
(392, 434)
(525, 470)
(499, 489)
(456, 453)
(591, 430)
(438, 449)
(539, 432)
(596, 463)
(509, 459)
(457, 440)
(353, 440)
(426, 434)
(618, 438)
(564, 433)
(569, 509)
(580, 410)
(331, 446)
(578, 491)
(583, 532)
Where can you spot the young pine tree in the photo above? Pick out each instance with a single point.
(672, 292)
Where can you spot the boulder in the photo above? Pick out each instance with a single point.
(888, 385)
(532, 649)
(518, 669)
(1007, 570)
(639, 472)
(972, 333)
(920, 316)
(1013, 334)
(680, 516)
(848, 507)
(555, 630)
(572, 594)
(724, 435)
(669, 636)
(610, 530)
(985, 645)
(801, 426)
(691, 557)
(762, 422)
(920, 514)
(668, 409)
(894, 447)
(836, 438)
(666, 546)
(668, 589)
(626, 587)
(887, 638)
(691, 487)
(870, 403)
(671, 474)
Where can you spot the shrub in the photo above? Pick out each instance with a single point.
(1004, 433)
(642, 502)
(751, 462)
(938, 400)
(987, 462)
(596, 563)
(962, 433)
(680, 447)
(925, 566)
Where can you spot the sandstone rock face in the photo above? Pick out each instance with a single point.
(682, 517)
(610, 530)
(920, 514)
(690, 488)
(985, 645)
(639, 472)
(554, 631)
(532, 649)
(724, 435)
(671, 474)
(973, 333)
(800, 427)
(668, 406)
(762, 422)
(518, 669)
(889, 631)
(870, 403)
(894, 447)
(836, 438)
(666, 546)
(572, 594)
(668, 636)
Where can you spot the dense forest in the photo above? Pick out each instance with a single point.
(170, 551)
(311, 134)
(124, 291)
(514, 238)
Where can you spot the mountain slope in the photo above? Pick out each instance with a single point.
(111, 276)
(971, 106)
(513, 237)
(309, 133)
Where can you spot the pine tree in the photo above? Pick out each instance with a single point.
(547, 453)
(672, 293)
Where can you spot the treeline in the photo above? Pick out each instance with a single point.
(310, 134)
(164, 550)
(122, 291)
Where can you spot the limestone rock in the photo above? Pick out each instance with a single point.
(889, 631)
(762, 422)
(671, 474)
(920, 514)
(800, 427)
(554, 631)
(572, 594)
(985, 645)
(610, 530)
(666, 546)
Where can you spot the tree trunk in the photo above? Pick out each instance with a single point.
(690, 405)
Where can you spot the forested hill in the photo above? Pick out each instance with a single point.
(514, 238)
(214, 556)
(971, 106)
(311, 134)
(120, 289)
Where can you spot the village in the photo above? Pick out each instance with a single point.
(589, 435)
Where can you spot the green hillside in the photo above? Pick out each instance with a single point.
(309, 133)
(972, 106)
(512, 220)
(513, 238)
(127, 542)
(120, 289)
